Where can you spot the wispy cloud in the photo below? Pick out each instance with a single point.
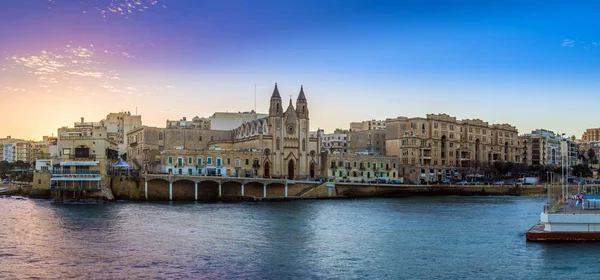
(78, 68)
(124, 8)
(568, 43)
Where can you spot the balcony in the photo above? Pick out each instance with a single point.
(82, 157)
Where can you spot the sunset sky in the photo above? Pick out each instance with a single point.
(530, 65)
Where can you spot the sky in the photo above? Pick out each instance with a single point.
(532, 65)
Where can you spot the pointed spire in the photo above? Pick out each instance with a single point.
(275, 92)
(301, 95)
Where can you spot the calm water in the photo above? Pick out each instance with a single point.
(415, 238)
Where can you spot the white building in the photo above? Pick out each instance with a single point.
(8, 153)
(117, 126)
(336, 142)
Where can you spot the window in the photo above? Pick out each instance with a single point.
(228, 161)
(179, 162)
(190, 160)
(247, 161)
(303, 144)
(66, 151)
(277, 144)
(368, 165)
(381, 165)
(435, 134)
(237, 163)
(199, 161)
(200, 138)
(170, 160)
(209, 160)
(219, 162)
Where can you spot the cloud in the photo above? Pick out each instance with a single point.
(568, 43)
(72, 66)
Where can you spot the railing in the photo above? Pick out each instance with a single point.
(92, 157)
(75, 175)
(90, 172)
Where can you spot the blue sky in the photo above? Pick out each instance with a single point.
(527, 64)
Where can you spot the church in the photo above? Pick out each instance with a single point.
(279, 144)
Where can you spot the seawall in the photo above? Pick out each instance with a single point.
(128, 188)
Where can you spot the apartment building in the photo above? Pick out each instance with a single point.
(442, 140)
(336, 142)
(367, 125)
(370, 142)
(591, 134)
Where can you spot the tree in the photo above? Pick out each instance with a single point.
(581, 170)
(4, 167)
(591, 156)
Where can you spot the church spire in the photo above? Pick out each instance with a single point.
(302, 105)
(301, 95)
(275, 92)
(275, 109)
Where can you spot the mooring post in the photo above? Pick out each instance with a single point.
(146, 188)
(286, 188)
(220, 190)
(265, 190)
(242, 189)
(196, 191)
(170, 190)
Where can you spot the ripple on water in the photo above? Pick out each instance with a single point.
(406, 238)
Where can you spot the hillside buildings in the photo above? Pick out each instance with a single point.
(591, 135)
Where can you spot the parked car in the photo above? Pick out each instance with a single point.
(501, 182)
(463, 182)
(396, 181)
(446, 182)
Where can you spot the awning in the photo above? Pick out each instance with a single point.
(121, 164)
(78, 163)
(76, 179)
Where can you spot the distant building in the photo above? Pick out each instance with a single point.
(367, 125)
(370, 142)
(196, 122)
(7, 153)
(336, 142)
(591, 134)
(230, 121)
(117, 126)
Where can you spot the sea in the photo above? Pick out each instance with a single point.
(445, 237)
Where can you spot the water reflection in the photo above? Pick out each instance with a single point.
(406, 238)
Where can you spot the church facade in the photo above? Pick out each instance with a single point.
(275, 146)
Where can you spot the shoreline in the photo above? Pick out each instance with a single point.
(323, 191)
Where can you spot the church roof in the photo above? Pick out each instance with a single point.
(301, 95)
(275, 92)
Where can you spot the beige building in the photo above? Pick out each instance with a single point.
(591, 134)
(86, 145)
(275, 146)
(196, 122)
(118, 124)
(231, 163)
(22, 151)
(367, 125)
(534, 148)
(367, 141)
(440, 140)
(359, 168)
(145, 144)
